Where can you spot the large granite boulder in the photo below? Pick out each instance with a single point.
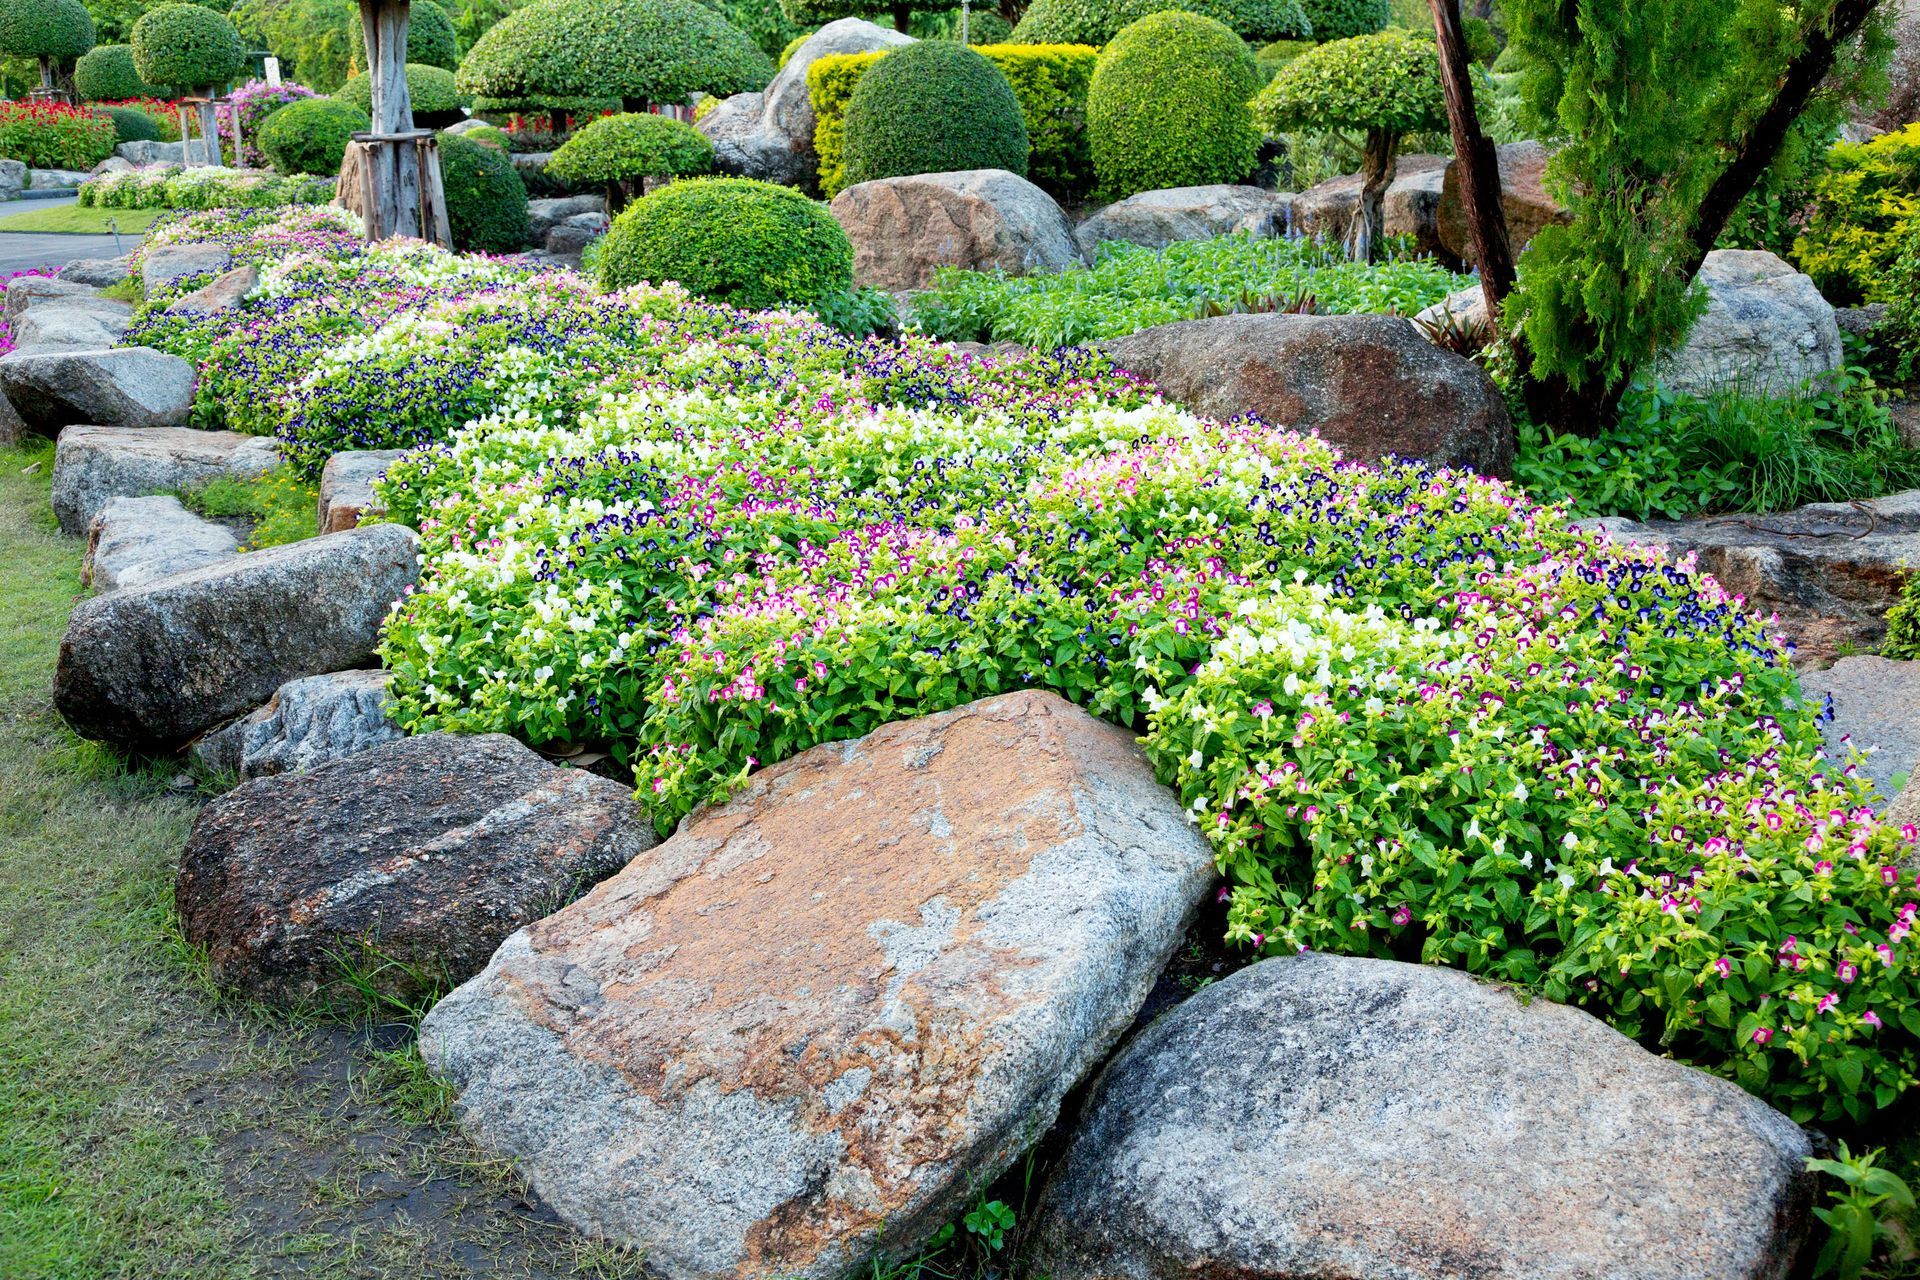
(1874, 701)
(903, 229)
(134, 541)
(94, 465)
(309, 722)
(146, 153)
(1523, 198)
(169, 264)
(149, 668)
(1369, 384)
(224, 293)
(1903, 70)
(56, 179)
(24, 292)
(1156, 219)
(410, 861)
(13, 179)
(544, 215)
(122, 387)
(769, 135)
(1766, 329)
(99, 272)
(839, 1004)
(346, 487)
(72, 324)
(1411, 207)
(1327, 1118)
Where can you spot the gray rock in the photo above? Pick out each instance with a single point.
(1327, 1118)
(112, 164)
(224, 294)
(72, 324)
(135, 541)
(842, 1002)
(55, 179)
(1468, 307)
(346, 487)
(429, 851)
(1158, 218)
(150, 668)
(903, 229)
(1874, 701)
(94, 465)
(1411, 207)
(100, 272)
(33, 291)
(1369, 384)
(576, 233)
(308, 723)
(12, 428)
(1860, 321)
(169, 263)
(544, 215)
(1903, 69)
(1766, 329)
(122, 387)
(146, 153)
(13, 179)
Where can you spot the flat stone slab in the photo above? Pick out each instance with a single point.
(99, 272)
(346, 487)
(309, 722)
(843, 1001)
(24, 292)
(1876, 704)
(122, 387)
(135, 541)
(94, 465)
(84, 323)
(1330, 1118)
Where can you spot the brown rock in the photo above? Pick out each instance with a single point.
(1523, 198)
(346, 487)
(981, 219)
(224, 294)
(1411, 207)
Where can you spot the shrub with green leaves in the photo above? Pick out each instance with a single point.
(733, 240)
(187, 46)
(49, 31)
(933, 107)
(1096, 22)
(311, 135)
(430, 91)
(486, 200)
(130, 124)
(1343, 19)
(431, 40)
(1865, 204)
(621, 151)
(1168, 106)
(105, 73)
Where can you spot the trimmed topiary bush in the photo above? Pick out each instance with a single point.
(568, 55)
(130, 124)
(47, 30)
(429, 89)
(311, 136)
(187, 46)
(1342, 19)
(732, 240)
(1168, 106)
(431, 40)
(486, 200)
(1096, 22)
(621, 151)
(106, 73)
(933, 107)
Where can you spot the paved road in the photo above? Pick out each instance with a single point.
(23, 251)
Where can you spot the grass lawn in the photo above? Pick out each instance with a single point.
(149, 1128)
(72, 218)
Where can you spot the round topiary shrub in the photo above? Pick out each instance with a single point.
(311, 136)
(131, 124)
(1096, 22)
(187, 46)
(47, 30)
(105, 73)
(430, 91)
(621, 151)
(1168, 106)
(933, 107)
(1341, 19)
(431, 40)
(573, 55)
(734, 240)
(486, 200)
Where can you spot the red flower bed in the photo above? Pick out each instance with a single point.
(51, 136)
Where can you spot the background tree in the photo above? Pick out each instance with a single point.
(51, 31)
(621, 151)
(1386, 85)
(814, 13)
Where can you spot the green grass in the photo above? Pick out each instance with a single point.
(73, 219)
(282, 507)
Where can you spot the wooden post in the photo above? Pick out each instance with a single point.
(393, 171)
(1475, 162)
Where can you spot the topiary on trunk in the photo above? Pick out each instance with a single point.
(933, 107)
(48, 30)
(106, 74)
(622, 151)
(187, 46)
(1096, 22)
(431, 40)
(311, 135)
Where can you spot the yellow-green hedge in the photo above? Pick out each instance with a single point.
(1866, 205)
(1049, 79)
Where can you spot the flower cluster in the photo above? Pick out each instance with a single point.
(51, 135)
(249, 106)
(202, 187)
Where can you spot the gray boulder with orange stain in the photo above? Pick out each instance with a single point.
(842, 1002)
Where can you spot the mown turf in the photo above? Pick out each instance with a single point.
(72, 218)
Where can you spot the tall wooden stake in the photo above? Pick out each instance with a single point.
(395, 172)
(1475, 160)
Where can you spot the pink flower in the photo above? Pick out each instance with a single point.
(1402, 914)
(1872, 1019)
(1761, 1035)
(1827, 1002)
(1724, 965)
(1846, 972)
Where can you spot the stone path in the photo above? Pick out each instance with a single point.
(25, 250)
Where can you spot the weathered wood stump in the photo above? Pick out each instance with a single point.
(391, 174)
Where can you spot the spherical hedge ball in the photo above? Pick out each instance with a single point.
(130, 124)
(486, 200)
(1096, 22)
(733, 240)
(430, 90)
(631, 145)
(45, 28)
(187, 46)
(1389, 80)
(105, 74)
(1168, 106)
(311, 135)
(431, 40)
(1341, 19)
(933, 107)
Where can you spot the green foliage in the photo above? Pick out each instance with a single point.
(1344, 19)
(1168, 106)
(1281, 52)
(130, 124)
(1865, 204)
(1772, 214)
(1901, 329)
(105, 73)
(57, 29)
(429, 90)
(430, 38)
(1483, 42)
(203, 187)
(489, 136)
(766, 24)
(1130, 288)
(733, 240)
(816, 13)
(1096, 22)
(989, 1222)
(630, 146)
(281, 507)
(933, 107)
(1388, 82)
(858, 313)
(577, 54)
(1859, 1212)
(486, 200)
(315, 40)
(790, 48)
(1902, 641)
(311, 135)
(45, 135)
(187, 46)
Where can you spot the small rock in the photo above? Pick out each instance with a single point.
(1411, 206)
(122, 387)
(1523, 198)
(576, 233)
(1766, 330)
(544, 215)
(346, 487)
(839, 1004)
(1157, 219)
(135, 541)
(429, 851)
(112, 164)
(13, 179)
(1873, 704)
(1903, 68)
(99, 272)
(55, 179)
(150, 668)
(903, 229)
(308, 723)
(183, 261)
(224, 294)
(94, 465)
(146, 153)
(1860, 321)
(1328, 1118)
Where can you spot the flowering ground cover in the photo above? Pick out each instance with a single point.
(1418, 716)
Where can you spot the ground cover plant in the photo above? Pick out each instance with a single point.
(1416, 714)
(1129, 288)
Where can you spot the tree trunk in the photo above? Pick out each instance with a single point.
(1476, 162)
(1376, 175)
(46, 73)
(617, 196)
(395, 169)
(902, 13)
(210, 129)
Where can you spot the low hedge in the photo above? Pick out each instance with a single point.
(1168, 106)
(732, 240)
(933, 107)
(130, 124)
(311, 136)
